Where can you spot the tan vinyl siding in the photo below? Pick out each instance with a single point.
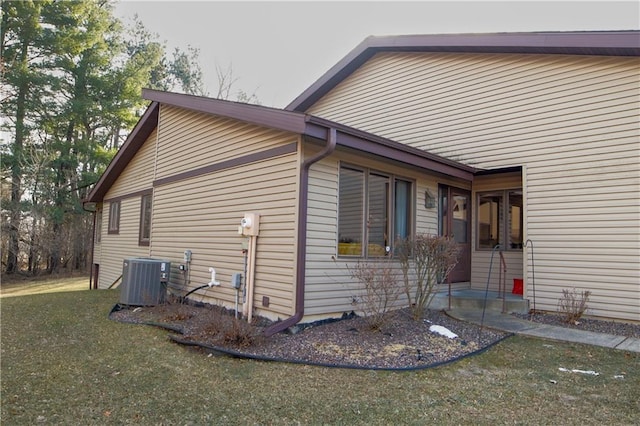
(117, 247)
(190, 140)
(570, 121)
(202, 213)
(114, 248)
(139, 173)
(329, 289)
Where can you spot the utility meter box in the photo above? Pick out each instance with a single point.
(250, 224)
(236, 280)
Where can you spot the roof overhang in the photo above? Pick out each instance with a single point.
(291, 121)
(136, 139)
(607, 43)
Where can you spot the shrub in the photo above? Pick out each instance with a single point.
(573, 304)
(224, 329)
(380, 290)
(240, 333)
(426, 261)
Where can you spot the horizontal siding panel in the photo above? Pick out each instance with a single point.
(117, 247)
(203, 213)
(570, 121)
(139, 173)
(189, 140)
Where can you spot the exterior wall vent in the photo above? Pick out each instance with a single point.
(144, 281)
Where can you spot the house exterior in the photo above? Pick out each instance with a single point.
(529, 142)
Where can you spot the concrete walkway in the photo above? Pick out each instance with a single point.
(510, 323)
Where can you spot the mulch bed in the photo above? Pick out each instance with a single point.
(401, 342)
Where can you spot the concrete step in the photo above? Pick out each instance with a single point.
(479, 299)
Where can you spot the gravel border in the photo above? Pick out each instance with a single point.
(617, 328)
(400, 344)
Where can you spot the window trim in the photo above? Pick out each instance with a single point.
(145, 241)
(391, 206)
(503, 229)
(114, 217)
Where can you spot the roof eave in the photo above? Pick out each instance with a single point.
(254, 114)
(349, 137)
(609, 43)
(136, 138)
(291, 121)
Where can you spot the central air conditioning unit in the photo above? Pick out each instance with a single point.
(144, 281)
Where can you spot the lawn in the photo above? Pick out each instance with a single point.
(64, 362)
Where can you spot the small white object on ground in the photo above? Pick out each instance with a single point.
(589, 372)
(444, 331)
(619, 376)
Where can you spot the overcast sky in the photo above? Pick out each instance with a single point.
(278, 49)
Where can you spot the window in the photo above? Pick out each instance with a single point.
(374, 209)
(114, 217)
(145, 220)
(500, 220)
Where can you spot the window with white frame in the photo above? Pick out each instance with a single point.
(374, 209)
(500, 220)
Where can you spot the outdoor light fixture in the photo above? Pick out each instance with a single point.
(429, 200)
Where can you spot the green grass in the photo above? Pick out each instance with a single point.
(64, 362)
(24, 287)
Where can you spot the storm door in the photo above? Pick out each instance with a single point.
(455, 222)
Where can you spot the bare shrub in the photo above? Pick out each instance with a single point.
(225, 329)
(426, 261)
(379, 290)
(240, 333)
(573, 304)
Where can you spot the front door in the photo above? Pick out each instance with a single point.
(455, 222)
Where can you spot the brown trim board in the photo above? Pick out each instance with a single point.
(227, 164)
(129, 195)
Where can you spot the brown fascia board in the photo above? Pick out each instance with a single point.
(349, 137)
(254, 114)
(135, 140)
(309, 125)
(607, 43)
(295, 122)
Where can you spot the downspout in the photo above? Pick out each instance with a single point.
(93, 243)
(302, 235)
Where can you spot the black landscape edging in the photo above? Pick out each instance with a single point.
(242, 355)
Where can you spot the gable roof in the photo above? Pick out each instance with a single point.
(291, 121)
(608, 43)
(127, 151)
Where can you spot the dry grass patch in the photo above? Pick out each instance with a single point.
(64, 362)
(24, 287)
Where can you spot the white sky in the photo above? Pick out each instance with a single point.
(278, 49)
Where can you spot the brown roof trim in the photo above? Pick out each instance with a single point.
(608, 43)
(136, 139)
(349, 137)
(291, 121)
(228, 164)
(306, 124)
(254, 114)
